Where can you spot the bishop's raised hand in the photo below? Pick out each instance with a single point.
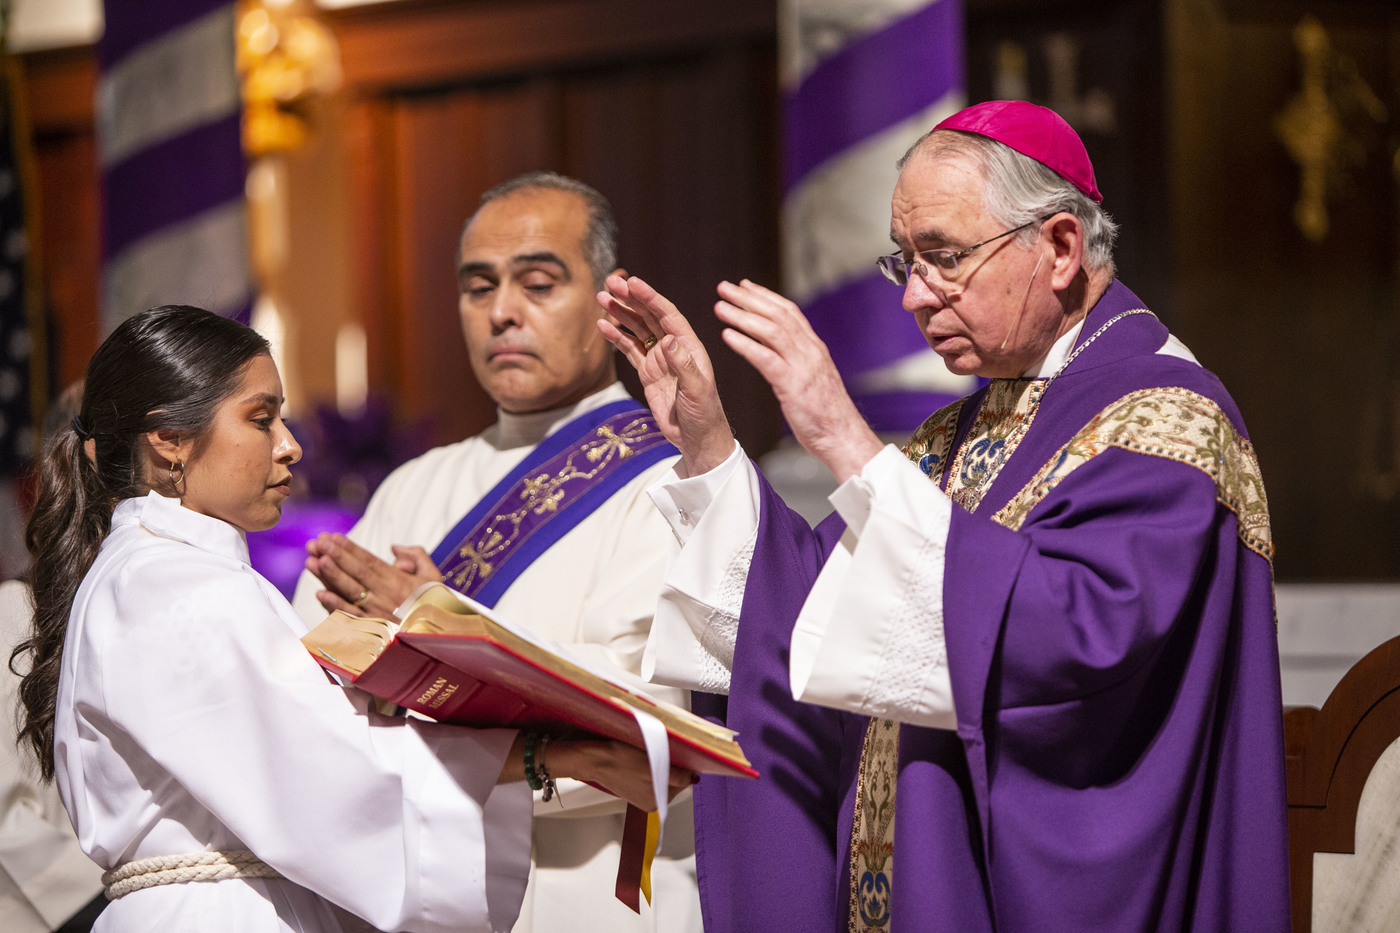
(674, 369)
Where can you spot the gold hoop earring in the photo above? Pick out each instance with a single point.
(178, 480)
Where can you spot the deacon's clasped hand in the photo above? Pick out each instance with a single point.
(358, 582)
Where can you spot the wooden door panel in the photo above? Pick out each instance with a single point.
(449, 149)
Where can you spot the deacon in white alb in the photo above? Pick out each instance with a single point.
(544, 516)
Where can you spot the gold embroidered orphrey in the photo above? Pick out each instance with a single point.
(544, 492)
(1173, 423)
(872, 836)
(1003, 420)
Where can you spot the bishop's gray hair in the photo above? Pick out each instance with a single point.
(1020, 189)
(600, 237)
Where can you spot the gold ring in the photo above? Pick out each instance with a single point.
(361, 599)
(648, 343)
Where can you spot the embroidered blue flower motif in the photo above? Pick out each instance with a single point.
(980, 459)
(874, 898)
(930, 464)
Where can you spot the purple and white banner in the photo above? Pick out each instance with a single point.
(168, 114)
(863, 79)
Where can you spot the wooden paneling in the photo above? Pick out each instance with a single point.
(685, 150)
(375, 269)
(61, 88)
(450, 148)
(675, 122)
(59, 94)
(1306, 334)
(440, 42)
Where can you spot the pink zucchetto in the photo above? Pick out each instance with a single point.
(1034, 131)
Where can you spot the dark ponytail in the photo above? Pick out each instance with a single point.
(166, 368)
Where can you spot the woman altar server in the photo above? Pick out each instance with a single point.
(206, 761)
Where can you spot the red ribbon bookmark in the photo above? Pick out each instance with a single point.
(640, 831)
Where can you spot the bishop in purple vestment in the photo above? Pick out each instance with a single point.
(1026, 678)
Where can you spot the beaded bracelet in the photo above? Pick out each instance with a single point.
(535, 773)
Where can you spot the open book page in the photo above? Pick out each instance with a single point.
(352, 644)
(449, 600)
(450, 658)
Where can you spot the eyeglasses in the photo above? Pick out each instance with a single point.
(896, 268)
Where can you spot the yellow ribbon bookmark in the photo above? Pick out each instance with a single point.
(653, 836)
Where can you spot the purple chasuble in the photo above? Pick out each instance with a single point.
(1118, 761)
(777, 869)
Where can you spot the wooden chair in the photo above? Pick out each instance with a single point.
(1331, 754)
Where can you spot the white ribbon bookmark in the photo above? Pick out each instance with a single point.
(659, 757)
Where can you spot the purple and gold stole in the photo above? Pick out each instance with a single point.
(560, 483)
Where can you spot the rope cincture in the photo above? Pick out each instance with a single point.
(183, 869)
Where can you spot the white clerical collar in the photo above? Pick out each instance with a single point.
(513, 430)
(1058, 353)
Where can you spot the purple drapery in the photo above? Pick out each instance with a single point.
(169, 112)
(846, 119)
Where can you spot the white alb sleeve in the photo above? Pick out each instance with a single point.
(715, 520)
(869, 638)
